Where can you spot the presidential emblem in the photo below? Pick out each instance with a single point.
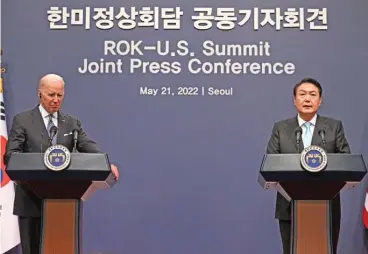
(57, 158)
(313, 159)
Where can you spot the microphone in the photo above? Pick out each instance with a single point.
(322, 133)
(53, 131)
(298, 132)
(75, 139)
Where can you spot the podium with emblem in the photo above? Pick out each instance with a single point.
(64, 181)
(310, 181)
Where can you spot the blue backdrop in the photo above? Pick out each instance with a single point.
(190, 163)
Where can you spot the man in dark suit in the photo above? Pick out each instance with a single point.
(307, 100)
(30, 133)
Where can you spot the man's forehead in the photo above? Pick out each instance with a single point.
(53, 89)
(307, 87)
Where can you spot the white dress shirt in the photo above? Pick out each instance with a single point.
(45, 116)
(313, 124)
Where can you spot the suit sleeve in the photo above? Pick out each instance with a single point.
(342, 145)
(84, 143)
(16, 139)
(274, 142)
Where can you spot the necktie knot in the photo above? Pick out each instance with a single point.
(307, 125)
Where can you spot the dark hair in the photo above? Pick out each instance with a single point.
(311, 81)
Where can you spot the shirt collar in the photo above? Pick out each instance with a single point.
(45, 114)
(312, 121)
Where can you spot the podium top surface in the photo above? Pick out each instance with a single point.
(287, 167)
(83, 167)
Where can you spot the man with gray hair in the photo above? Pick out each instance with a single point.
(25, 136)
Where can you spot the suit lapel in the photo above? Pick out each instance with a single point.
(320, 124)
(39, 124)
(61, 128)
(291, 125)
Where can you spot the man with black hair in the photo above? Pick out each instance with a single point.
(307, 100)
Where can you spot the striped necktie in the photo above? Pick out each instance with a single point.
(49, 125)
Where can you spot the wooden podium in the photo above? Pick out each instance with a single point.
(63, 194)
(310, 194)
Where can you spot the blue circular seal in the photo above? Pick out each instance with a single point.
(313, 159)
(57, 158)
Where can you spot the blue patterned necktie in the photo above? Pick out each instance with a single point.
(307, 137)
(49, 125)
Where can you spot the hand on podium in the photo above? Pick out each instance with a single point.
(115, 171)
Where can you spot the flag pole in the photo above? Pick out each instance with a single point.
(1, 152)
(9, 225)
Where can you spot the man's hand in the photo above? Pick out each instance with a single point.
(115, 171)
